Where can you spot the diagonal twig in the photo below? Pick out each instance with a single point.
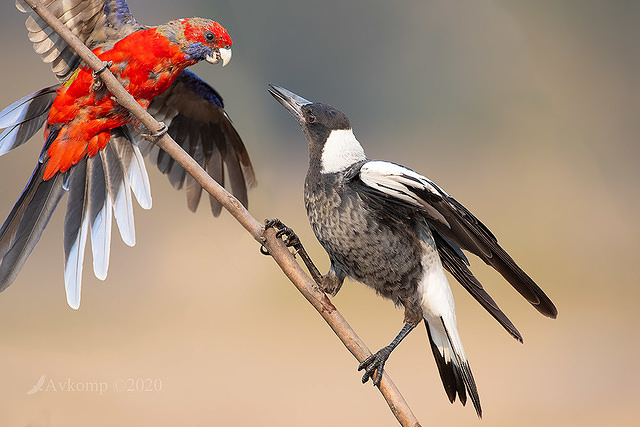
(267, 238)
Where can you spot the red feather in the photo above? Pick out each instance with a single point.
(145, 62)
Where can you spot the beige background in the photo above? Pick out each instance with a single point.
(527, 112)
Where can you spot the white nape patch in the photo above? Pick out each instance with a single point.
(341, 150)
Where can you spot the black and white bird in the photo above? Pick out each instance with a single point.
(394, 230)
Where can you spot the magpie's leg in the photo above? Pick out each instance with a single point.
(332, 281)
(374, 364)
(291, 240)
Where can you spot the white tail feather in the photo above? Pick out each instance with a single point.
(73, 269)
(123, 211)
(139, 179)
(101, 239)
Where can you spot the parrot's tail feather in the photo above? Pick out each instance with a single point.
(133, 165)
(76, 229)
(98, 187)
(23, 118)
(117, 182)
(100, 215)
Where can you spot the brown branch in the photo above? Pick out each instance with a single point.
(275, 246)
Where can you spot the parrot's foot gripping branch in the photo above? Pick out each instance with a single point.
(156, 135)
(97, 84)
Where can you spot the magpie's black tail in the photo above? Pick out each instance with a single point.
(452, 363)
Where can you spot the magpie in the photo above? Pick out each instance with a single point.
(394, 230)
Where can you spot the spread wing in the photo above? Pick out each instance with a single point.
(25, 117)
(195, 115)
(455, 227)
(94, 22)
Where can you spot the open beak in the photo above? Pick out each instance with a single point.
(289, 100)
(219, 54)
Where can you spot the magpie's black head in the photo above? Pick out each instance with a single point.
(332, 146)
(316, 119)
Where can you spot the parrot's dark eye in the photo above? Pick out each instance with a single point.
(311, 118)
(209, 36)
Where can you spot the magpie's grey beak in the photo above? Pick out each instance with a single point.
(289, 100)
(221, 54)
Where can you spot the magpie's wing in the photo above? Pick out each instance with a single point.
(195, 115)
(453, 221)
(456, 265)
(94, 22)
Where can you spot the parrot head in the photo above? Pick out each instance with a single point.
(200, 39)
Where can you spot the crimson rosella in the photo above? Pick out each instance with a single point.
(93, 149)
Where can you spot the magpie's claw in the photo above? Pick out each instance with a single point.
(373, 366)
(290, 236)
(291, 239)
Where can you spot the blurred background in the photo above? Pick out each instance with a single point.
(527, 112)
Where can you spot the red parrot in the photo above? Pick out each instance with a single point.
(93, 149)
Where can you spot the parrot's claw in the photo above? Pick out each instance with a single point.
(97, 82)
(157, 135)
(105, 66)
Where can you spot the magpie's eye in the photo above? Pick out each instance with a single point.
(311, 118)
(209, 36)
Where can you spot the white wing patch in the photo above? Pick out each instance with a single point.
(341, 150)
(401, 183)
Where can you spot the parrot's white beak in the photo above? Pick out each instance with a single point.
(225, 55)
(220, 54)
